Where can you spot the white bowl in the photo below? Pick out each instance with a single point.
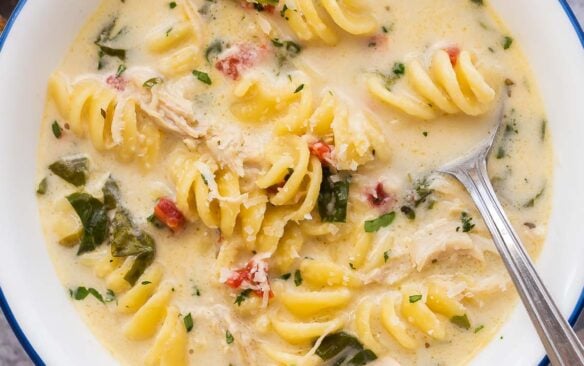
(38, 307)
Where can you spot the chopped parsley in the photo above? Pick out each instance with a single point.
(532, 201)
(409, 212)
(386, 255)
(299, 89)
(42, 187)
(80, 293)
(297, 278)
(375, 225)
(467, 224)
(229, 337)
(243, 295)
(188, 321)
(399, 69)
(172, 5)
(479, 328)
(414, 298)
(286, 276)
(507, 42)
(121, 69)
(461, 321)
(202, 77)
(57, 130)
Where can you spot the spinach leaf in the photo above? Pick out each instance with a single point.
(375, 225)
(82, 292)
(102, 42)
(344, 350)
(333, 197)
(128, 241)
(111, 193)
(71, 170)
(93, 216)
(334, 344)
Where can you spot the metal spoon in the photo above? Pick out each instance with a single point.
(560, 341)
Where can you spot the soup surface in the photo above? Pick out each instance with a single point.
(251, 182)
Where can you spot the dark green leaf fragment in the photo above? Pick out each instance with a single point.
(414, 298)
(286, 276)
(229, 337)
(409, 212)
(297, 278)
(215, 48)
(188, 320)
(42, 187)
(57, 130)
(129, 241)
(386, 255)
(71, 170)
(111, 193)
(375, 225)
(362, 358)
(477, 2)
(461, 321)
(93, 216)
(333, 344)
(243, 295)
(467, 224)
(299, 88)
(479, 328)
(202, 77)
(82, 292)
(507, 42)
(333, 197)
(399, 69)
(172, 5)
(532, 201)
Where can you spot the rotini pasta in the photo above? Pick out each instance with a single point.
(148, 305)
(310, 19)
(180, 44)
(446, 88)
(111, 123)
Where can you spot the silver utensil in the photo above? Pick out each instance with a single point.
(560, 341)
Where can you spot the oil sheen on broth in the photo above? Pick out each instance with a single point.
(275, 201)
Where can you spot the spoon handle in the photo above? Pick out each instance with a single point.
(559, 340)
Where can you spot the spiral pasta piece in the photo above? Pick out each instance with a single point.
(443, 88)
(147, 303)
(401, 319)
(206, 192)
(311, 20)
(179, 44)
(111, 123)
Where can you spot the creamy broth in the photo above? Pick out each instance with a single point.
(225, 115)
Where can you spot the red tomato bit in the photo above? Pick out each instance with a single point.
(453, 53)
(167, 212)
(253, 276)
(322, 151)
(380, 198)
(239, 58)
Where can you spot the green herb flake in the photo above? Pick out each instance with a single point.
(286, 276)
(507, 42)
(386, 255)
(414, 298)
(299, 89)
(111, 193)
(461, 321)
(399, 69)
(477, 2)
(283, 11)
(409, 212)
(71, 170)
(297, 278)
(188, 321)
(536, 198)
(215, 48)
(243, 295)
(479, 328)
(148, 84)
(333, 197)
(121, 69)
(467, 224)
(172, 5)
(82, 292)
(421, 191)
(202, 77)
(375, 225)
(42, 187)
(229, 337)
(57, 130)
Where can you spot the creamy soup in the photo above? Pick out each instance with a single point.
(252, 182)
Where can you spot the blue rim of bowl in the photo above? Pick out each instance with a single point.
(29, 349)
